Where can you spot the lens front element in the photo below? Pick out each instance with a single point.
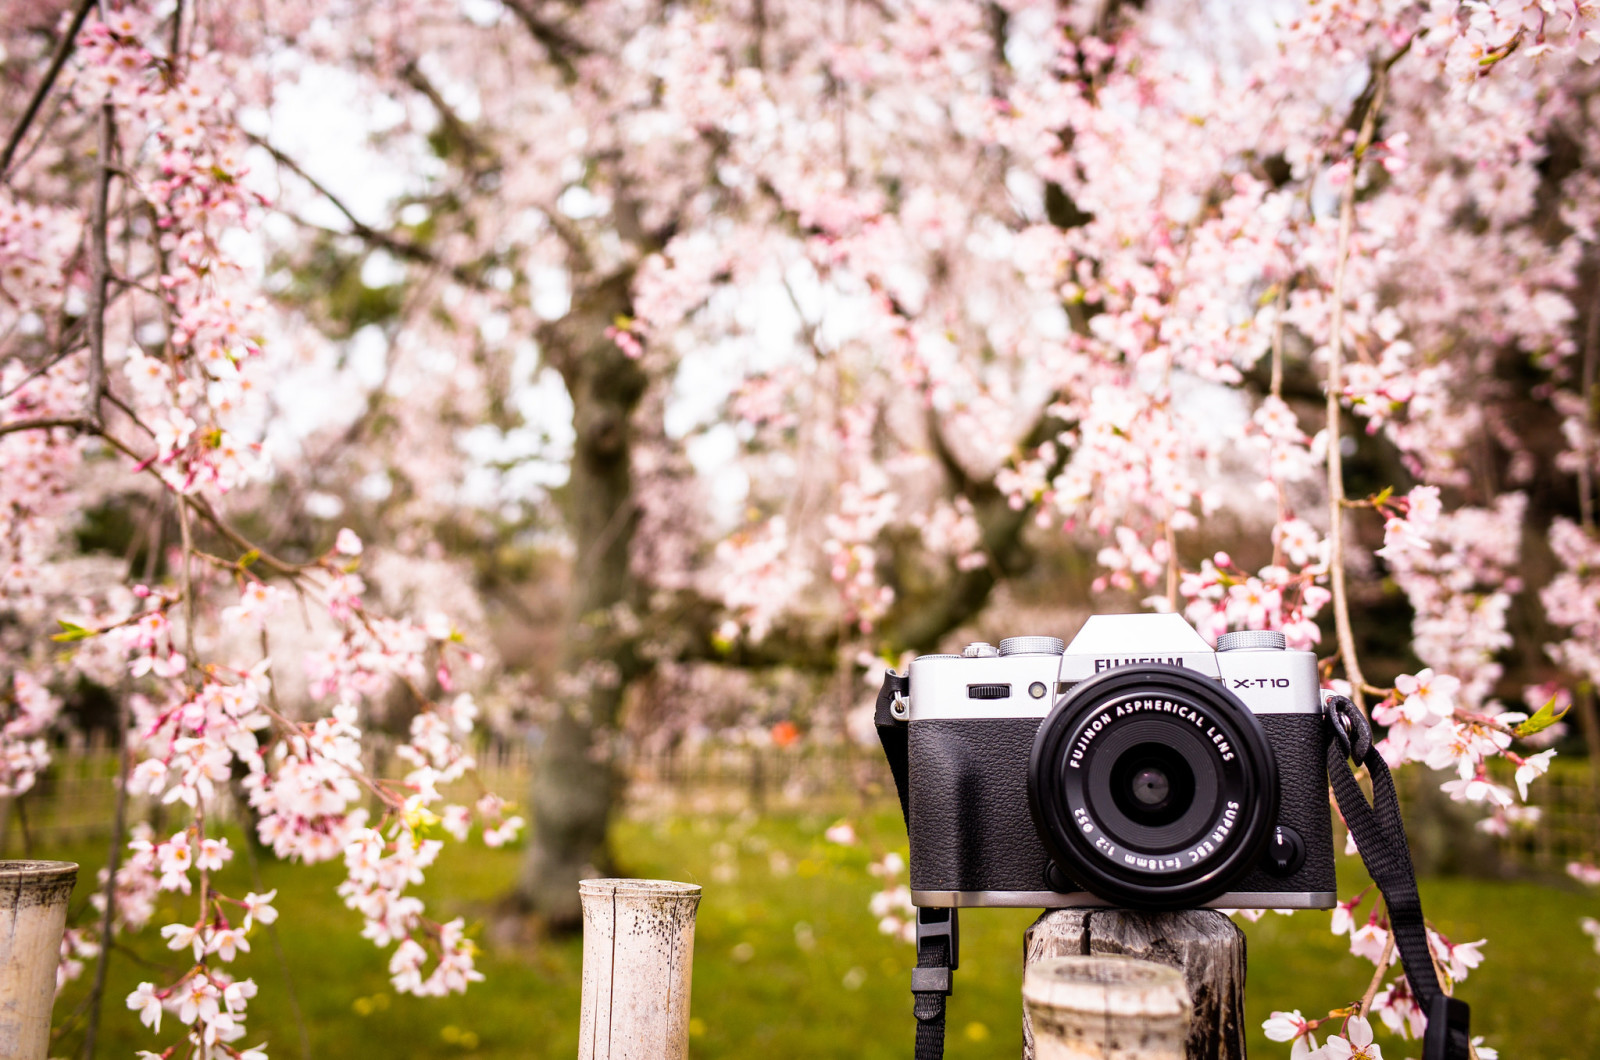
(1152, 786)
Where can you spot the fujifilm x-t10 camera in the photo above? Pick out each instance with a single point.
(1136, 767)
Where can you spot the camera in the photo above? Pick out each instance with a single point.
(1136, 767)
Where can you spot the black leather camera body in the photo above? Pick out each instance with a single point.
(1136, 768)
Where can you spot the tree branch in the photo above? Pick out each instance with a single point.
(64, 48)
(119, 820)
(922, 625)
(403, 248)
(454, 126)
(76, 423)
(199, 505)
(1347, 211)
(99, 265)
(175, 43)
(1590, 372)
(559, 46)
(1377, 976)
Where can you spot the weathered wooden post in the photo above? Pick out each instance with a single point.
(638, 956)
(1203, 944)
(1106, 1008)
(33, 914)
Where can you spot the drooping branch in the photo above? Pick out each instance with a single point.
(175, 44)
(71, 423)
(194, 503)
(920, 628)
(99, 264)
(402, 248)
(1335, 398)
(58, 60)
(457, 129)
(1377, 976)
(559, 45)
(685, 626)
(108, 913)
(1591, 369)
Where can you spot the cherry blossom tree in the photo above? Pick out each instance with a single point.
(136, 338)
(800, 327)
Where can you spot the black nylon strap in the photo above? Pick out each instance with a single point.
(1380, 836)
(938, 945)
(928, 1005)
(893, 735)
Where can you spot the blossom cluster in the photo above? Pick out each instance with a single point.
(865, 507)
(891, 904)
(174, 398)
(1394, 1004)
(1220, 596)
(195, 390)
(758, 574)
(23, 751)
(40, 466)
(307, 784)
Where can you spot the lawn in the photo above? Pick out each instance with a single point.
(789, 962)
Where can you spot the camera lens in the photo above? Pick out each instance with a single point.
(1153, 786)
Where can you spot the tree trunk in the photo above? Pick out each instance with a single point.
(576, 781)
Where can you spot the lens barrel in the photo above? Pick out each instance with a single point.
(1153, 787)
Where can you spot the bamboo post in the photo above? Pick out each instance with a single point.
(638, 956)
(1203, 944)
(1106, 1008)
(33, 915)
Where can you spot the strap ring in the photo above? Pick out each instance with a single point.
(1350, 728)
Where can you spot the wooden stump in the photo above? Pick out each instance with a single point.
(33, 914)
(638, 959)
(1106, 1008)
(1202, 943)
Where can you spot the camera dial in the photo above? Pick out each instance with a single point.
(1153, 786)
(1032, 646)
(1253, 640)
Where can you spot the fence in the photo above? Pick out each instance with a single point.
(73, 801)
(1568, 828)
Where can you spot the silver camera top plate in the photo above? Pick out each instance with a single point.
(1268, 681)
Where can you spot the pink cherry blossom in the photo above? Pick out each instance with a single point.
(148, 1003)
(1428, 696)
(1291, 1026)
(1355, 1044)
(1369, 940)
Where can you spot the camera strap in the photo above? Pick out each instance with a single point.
(1381, 837)
(938, 930)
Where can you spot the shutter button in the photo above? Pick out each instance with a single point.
(1286, 853)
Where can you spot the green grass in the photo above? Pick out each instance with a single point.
(789, 964)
